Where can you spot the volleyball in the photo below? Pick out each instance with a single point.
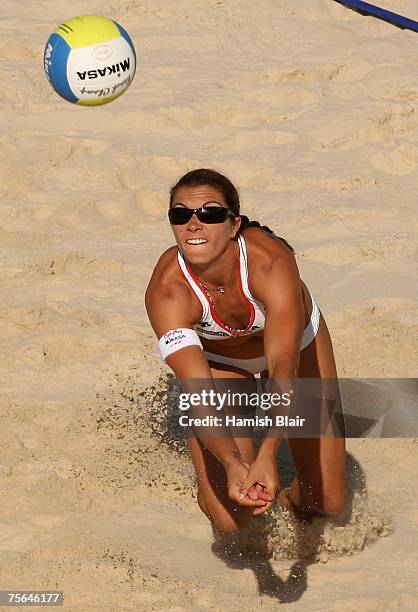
(90, 60)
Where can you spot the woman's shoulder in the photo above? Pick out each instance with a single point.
(166, 269)
(167, 282)
(265, 248)
(168, 257)
(168, 298)
(272, 268)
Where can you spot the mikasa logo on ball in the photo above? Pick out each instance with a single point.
(102, 52)
(101, 72)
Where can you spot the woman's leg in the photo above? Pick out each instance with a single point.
(212, 495)
(320, 462)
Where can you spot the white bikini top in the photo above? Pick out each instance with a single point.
(210, 326)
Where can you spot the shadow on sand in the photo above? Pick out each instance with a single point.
(251, 549)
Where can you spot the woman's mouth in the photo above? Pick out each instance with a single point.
(195, 241)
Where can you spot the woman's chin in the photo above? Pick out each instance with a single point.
(197, 253)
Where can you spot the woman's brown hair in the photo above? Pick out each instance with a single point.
(205, 176)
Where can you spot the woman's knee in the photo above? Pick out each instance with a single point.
(228, 524)
(222, 519)
(329, 501)
(202, 504)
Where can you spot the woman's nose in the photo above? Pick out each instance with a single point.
(194, 222)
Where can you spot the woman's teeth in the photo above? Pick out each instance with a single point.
(196, 241)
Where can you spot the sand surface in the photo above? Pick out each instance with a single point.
(311, 109)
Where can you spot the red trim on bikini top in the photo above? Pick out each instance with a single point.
(209, 298)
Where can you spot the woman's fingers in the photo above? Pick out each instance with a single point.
(254, 492)
(237, 494)
(252, 502)
(262, 509)
(268, 498)
(259, 491)
(255, 489)
(244, 500)
(266, 495)
(250, 489)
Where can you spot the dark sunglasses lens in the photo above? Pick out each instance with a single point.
(209, 214)
(179, 216)
(212, 214)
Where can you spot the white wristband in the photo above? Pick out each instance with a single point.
(176, 339)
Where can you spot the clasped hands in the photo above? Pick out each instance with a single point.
(253, 484)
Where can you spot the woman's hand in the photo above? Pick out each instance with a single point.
(237, 472)
(263, 481)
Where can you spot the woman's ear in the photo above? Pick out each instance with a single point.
(236, 224)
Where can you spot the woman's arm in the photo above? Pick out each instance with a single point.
(285, 315)
(278, 286)
(168, 308)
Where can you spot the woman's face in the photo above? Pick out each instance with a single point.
(201, 242)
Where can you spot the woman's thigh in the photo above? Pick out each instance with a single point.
(213, 497)
(320, 462)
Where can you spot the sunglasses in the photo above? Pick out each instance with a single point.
(206, 214)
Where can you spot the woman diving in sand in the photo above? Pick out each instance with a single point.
(228, 302)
